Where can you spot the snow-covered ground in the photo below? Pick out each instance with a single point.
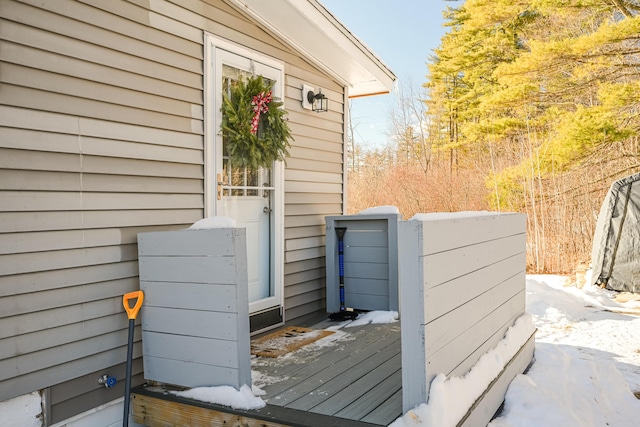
(587, 360)
(585, 371)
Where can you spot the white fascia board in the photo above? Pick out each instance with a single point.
(310, 29)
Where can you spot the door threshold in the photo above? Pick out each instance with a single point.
(266, 320)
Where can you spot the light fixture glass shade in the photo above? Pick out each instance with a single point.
(319, 102)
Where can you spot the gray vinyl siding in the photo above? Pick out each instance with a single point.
(313, 190)
(101, 138)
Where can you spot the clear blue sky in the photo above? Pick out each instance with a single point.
(403, 33)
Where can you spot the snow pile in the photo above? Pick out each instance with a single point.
(547, 294)
(586, 365)
(213, 222)
(23, 411)
(563, 390)
(374, 317)
(380, 210)
(587, 360)
(245, 398)
(450, 398)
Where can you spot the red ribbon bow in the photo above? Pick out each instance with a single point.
(260, 106)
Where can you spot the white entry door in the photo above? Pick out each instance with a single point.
(251, 196)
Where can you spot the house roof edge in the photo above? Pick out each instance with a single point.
(308, 27)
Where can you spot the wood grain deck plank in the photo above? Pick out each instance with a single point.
(293, 363)
(333, 361)
(153, 407)
(345, 396)
(347, 380)
(323, 371)
(374, 398)
(388, 411)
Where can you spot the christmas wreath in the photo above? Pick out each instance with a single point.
(254, 126)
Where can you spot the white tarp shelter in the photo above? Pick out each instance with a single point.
(616, 241)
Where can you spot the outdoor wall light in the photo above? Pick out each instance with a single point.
(317, 102)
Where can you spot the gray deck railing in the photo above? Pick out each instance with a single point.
(195, 317)
(461, 282)
(462, 285)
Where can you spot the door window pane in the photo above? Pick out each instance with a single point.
(241, 181)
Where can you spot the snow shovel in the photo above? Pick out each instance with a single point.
(132, 312)
(344, 313)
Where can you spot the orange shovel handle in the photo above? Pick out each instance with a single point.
(132, 312)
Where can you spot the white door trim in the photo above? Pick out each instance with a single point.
(211, 117)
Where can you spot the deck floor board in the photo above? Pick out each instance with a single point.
(345, 398)
(350, 385)
(372, 399)
(384, 414)
(297, 365)
(355, 377)
(317, 375)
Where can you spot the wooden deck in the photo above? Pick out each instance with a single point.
(352, 378)
(357, 377)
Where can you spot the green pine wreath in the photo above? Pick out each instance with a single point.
(254, 126)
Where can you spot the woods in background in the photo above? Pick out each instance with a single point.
(529, 106)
